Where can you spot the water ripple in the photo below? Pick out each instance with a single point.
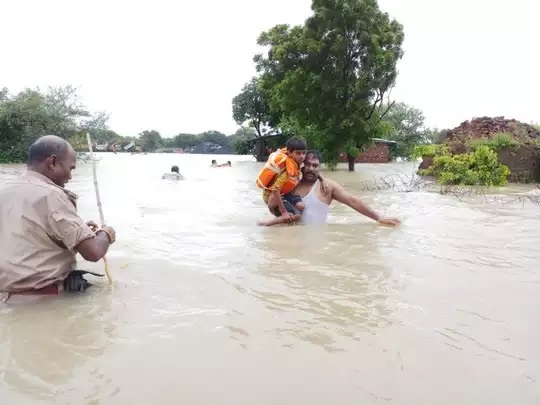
(356, 312)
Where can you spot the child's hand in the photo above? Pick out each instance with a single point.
(325, 188)
(286, 214)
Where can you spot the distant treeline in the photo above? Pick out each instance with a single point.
(30, 113)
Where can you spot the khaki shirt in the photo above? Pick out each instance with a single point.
(39, 230)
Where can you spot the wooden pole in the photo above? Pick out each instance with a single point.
(100, 209)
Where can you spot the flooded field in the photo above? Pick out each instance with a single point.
(208, 308)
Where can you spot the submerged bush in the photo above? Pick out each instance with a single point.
(480, 167)
(500, 140)
(430, 150)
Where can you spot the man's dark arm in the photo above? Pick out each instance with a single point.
(93, 249)
(339, 194)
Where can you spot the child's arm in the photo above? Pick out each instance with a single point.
(275, 194)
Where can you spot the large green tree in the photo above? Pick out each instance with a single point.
(327, 78)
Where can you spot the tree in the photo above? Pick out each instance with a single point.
(150, 140)
(251, 106)
(214, 137)
(32, 113)
(239, 139)
(328, 77)
(185, 140)
(407, 125)
(244, 134)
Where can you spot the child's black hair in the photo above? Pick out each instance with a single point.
(296, 143)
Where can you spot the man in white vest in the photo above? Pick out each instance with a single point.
(317, 203)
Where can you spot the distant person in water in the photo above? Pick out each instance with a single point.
(174, 174)
(317, 199)
(215, 164)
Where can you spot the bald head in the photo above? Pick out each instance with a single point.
(53, 157)
(47, 146)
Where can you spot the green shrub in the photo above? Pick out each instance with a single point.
(481, 167)
(500, 140)
(430, 150)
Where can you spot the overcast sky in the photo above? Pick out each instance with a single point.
(174, 66)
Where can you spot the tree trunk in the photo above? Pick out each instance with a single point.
(351, 159)
(260, 150)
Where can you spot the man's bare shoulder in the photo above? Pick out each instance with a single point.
(331, 184)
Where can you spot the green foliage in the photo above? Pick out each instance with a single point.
(430, 150)
(406, 125)
(189, 140)
(352, 150)
(239, 139)
(327, 77)
(251, 106)
(481, 167)
(498, 141)
(32, 113)
(150, 140)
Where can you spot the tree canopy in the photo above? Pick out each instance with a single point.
(31, 113)
(251, 106)
(326, 79)
(406, 127)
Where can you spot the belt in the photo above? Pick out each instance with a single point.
(52, 289)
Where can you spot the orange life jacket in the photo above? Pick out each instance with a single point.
(278, 163)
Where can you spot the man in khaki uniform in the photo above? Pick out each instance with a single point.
(40, 230)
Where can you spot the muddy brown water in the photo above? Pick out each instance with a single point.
(207, 308)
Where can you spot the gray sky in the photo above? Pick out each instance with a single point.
(174, 66)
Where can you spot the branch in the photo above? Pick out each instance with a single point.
(377, 100)
(388, 109)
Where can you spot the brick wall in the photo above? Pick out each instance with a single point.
(426, 162)
(378, 153)
(523, 162)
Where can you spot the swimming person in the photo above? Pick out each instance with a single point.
(215, 164)
(174, 174)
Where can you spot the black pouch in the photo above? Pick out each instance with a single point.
(75, 282)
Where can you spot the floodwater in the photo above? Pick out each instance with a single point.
(208, 308)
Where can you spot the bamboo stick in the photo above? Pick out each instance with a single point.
(100, 209)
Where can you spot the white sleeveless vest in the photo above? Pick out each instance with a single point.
(315, 211)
